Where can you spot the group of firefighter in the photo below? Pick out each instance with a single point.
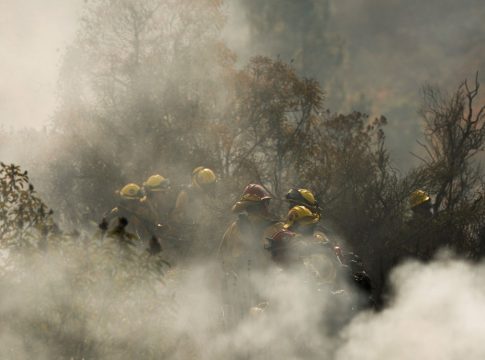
(162, 215)
(177, 220)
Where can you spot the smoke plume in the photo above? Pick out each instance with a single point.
(79, 301)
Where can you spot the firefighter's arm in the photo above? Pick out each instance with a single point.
(281, 245)
(228, 248)
(108, 217)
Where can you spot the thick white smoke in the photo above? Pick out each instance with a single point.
(437, 313)
(83, 302)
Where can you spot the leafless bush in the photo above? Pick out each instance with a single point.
(454, 135)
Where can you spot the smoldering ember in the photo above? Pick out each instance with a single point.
(242, 179)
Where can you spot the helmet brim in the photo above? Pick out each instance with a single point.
(239, 207)
(425, 200)
(313, 221)
(243, 205)
(157, 189)
(130, 197)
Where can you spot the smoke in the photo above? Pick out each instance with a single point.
(33, 36)
(81, 301)
(390, 47)
(371, 56)
(436, 313)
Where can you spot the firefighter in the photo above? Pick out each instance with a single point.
(415, 240)
(297, 244)
(159, 197)
(133, 215)
(303, 197)
(128, 206)
(246, 238)
(420, 239)
(242, 252)
(195, 215)
(190, 200)
(420, 204)
(306, 198)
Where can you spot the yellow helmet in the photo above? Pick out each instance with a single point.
(308, 196)
(202, 177)
(302, 197)
(131, 191)
(417, 198)
(301, 215)
(156, 183)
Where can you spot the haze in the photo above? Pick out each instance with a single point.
(33, 35)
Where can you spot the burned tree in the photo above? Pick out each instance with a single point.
(454, 133)
(275, 113)
(454, 136)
